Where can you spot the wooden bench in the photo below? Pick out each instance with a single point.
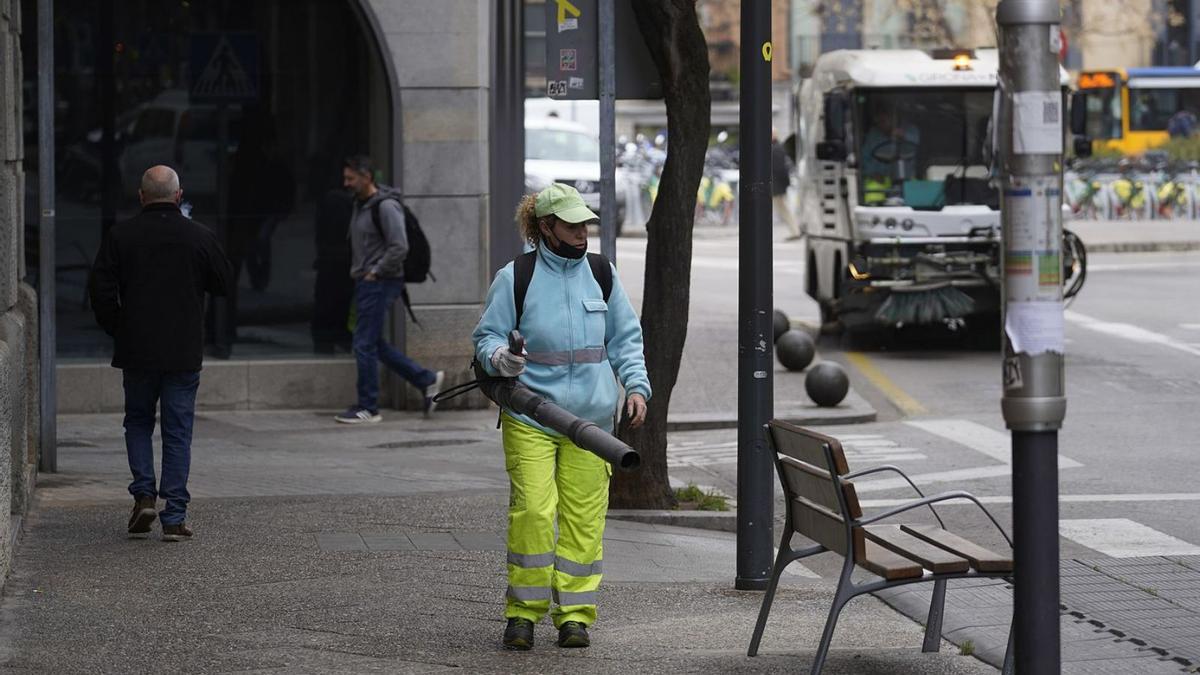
(823, 506)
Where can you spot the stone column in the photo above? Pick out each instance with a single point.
(439, 49)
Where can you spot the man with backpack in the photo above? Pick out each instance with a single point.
(380, 232)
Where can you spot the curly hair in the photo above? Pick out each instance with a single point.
(527, 220)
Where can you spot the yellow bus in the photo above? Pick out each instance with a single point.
(1129, 110)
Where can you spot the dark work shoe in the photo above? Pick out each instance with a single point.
(433, 390)
(573, 634)
(178, 532)
(143, 516)
(356, 415)
(518, 634)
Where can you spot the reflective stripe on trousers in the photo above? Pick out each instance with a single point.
(552, 480)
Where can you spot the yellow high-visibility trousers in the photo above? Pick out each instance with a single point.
(551, 479)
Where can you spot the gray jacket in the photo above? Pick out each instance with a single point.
(384, 256)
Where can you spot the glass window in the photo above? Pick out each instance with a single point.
(1103, 113)
(922, 149)
(277, 175)
(1149, 109)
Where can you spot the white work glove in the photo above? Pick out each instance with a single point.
(507, 363)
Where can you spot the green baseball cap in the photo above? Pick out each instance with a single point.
(563, 201)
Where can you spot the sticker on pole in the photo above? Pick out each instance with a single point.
(1033, 253)
(1037, 123)
(1035, 327)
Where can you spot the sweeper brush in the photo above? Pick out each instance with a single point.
(924, 305)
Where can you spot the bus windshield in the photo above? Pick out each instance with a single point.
(923, 148)
(1104, 113)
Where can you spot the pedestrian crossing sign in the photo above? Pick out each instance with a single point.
(224, 67)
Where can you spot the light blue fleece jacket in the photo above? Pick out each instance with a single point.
(564, 313)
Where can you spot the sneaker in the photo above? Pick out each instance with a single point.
(143, 516)
(518, 634)
(177, 532)
(573, 634)
(433, 390)
(356, 415)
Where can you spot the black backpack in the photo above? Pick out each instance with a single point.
(523, 273)
(419, 258)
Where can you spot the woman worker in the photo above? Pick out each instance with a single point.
(576, 342)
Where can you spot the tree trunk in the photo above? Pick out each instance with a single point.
(671, 30)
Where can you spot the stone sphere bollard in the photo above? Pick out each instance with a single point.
(782, 324)
(827, 384)
(795, 349)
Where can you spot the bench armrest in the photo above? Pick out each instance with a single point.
(895, 469)
(944, 496)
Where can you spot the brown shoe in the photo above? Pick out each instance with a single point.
(180, 532)
(143, 516)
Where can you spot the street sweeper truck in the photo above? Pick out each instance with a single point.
(902, 215)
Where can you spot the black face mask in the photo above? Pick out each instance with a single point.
(564, 249)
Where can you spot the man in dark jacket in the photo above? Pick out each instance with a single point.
(378, 246)
(147, 292)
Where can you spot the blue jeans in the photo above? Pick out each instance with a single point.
(175, 393)
(373, 298)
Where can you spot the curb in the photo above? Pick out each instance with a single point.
(721, 521)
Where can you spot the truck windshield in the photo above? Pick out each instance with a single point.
(923, 148)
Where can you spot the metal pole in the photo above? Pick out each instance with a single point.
(756, 492)
(110, 189)
(47, 329)
(608, 132)
(506, 132)
(1034, 401)
(224, 321)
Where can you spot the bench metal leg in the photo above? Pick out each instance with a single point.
(827, 634)
(933, 624)
(1008, 667)
(781, 561)
(843, 595)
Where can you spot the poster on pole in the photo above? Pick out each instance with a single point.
(573, 52)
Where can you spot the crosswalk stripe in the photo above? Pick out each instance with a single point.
(994, 444)
(1123, 538)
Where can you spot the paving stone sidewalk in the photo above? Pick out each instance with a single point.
(323, 549)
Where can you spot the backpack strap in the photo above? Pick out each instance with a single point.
(375, 219)
(602, 272)
(522, 275)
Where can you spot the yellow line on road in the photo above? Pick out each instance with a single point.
(899, 398)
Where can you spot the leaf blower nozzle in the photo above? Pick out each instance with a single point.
(509, 393)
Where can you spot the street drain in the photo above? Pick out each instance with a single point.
(429, 443)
